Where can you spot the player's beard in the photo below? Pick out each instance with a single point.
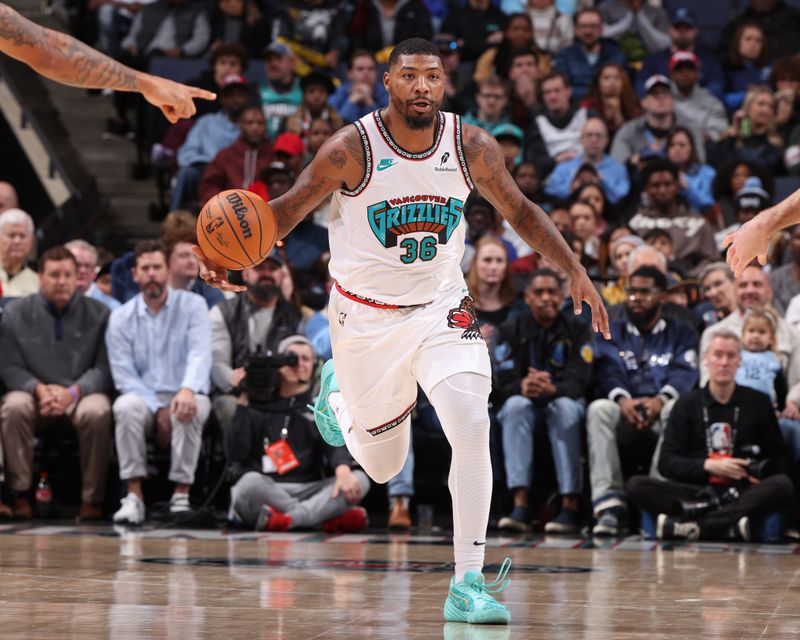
(412, 121)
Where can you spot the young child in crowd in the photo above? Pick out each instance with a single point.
(761, 368)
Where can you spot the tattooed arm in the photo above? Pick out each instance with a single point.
(488, 171)
(340, 161)
(66, 60)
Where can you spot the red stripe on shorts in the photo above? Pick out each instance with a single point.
(393, 422)
(369, 301)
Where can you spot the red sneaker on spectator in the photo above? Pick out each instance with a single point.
(270, 519)
(23, 509)
(353, 520)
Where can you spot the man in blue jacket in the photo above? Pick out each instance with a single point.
(591, 51)
(649, 362)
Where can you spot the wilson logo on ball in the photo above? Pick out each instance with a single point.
(241, 213)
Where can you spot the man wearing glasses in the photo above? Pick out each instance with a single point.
(650, 361)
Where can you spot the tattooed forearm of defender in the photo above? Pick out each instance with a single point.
(61, 57)
(493, 181)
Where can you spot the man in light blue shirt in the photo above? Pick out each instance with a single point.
(361, 93)
(613, 174)
(159, 347)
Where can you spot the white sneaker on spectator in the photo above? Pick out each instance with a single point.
(179, 503)
(671, 529)
(131, 511)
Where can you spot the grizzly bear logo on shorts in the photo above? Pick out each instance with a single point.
(463, 317)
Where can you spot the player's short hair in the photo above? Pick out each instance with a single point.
(56, 254)
(412, 47)
(149, 246)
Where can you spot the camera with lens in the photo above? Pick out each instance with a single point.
(758, 467)
(262, 378)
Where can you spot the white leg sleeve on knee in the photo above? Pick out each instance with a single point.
(461, 402)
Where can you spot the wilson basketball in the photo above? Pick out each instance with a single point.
(236, 229)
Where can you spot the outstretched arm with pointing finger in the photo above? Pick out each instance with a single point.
(751, 240)
(64, 59)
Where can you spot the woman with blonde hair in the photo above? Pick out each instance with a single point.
(753, 136)
(490, 284)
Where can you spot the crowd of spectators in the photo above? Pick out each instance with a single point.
(643, 145)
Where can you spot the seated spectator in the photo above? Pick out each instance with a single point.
(490, 285)
(252, 322)
(55, 366)
(279, 491)
(683, 33)
(238, 166)
(760, 367)
(731, 177)
(238, 23)
(114, 21)
(637, 391)
(212, 133)
(747, 64)
(317, 89)
(226, 60)
(555, 135)
(319, 131)
(8, 197)
(779, 21)
(696, 177)
(661, 241)
(542, 367)
(785, 280)
(753, 290)
(524, 74)
(694, 104)
(581, 61)
(510, 138)
(526, 176)
(585, 226)
(698, 462)
(552, 29)
(482, 220)
(306, 244)
(478, 25)
(170, 28)
(647, 135)
(274, 181)
(316, 31)
(719, 291)
(280, 94)
(784, 78)
(611, 97)
(183, 267)
(663, 207)
(753, 136)
(16, 241)
(749, 200)
(593, 194)
(639, 27)
(383, 23)
(620, 249)
(496, 61)
(86, 260)
(458, 80)
(159, 346)
(289, 149)
(492, 101)
(612, 173)
(362, 92)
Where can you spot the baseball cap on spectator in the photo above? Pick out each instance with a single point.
(683, 57)
(276, 256)
(683, 15)
(752, 195)
(234, 81)
(636, 241)
(289, 143)
(276, 168)
(317, 79)
(508, 131)
(277, 49)
(657, 80)
(445, 42)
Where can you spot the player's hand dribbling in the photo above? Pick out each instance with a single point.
(214, 275)
(582, 290)
(748, 242)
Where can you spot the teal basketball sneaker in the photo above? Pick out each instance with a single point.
(323, 412)
(471, 600)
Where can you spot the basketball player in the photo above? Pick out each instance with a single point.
(751, 240)
(66, 60)
(400, 313)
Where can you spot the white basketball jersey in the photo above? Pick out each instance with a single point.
(398, 237)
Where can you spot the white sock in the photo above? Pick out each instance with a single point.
(339, 407)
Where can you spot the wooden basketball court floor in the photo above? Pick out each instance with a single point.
(86, 583)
